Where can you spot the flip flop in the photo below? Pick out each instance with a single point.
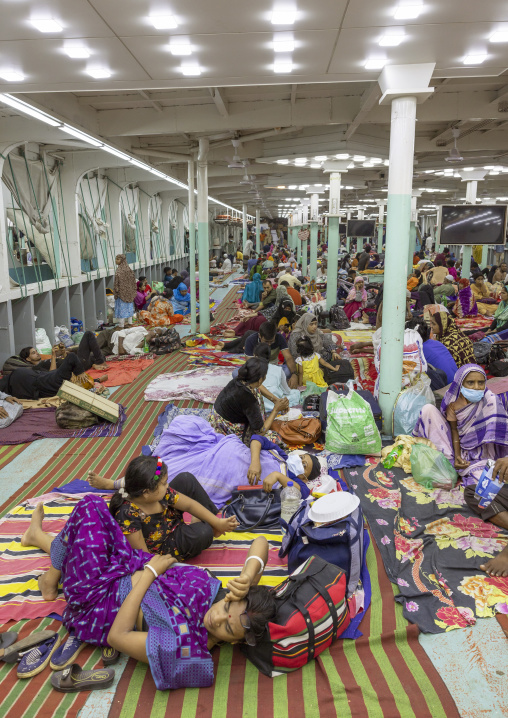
(38, 658)
(7, 639)
(66, 653)
(14, 653)
(109, 655)
(73, 679)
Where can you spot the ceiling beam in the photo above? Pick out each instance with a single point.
(220, 100)
(155, 105)
(369, 99)
(501, 96)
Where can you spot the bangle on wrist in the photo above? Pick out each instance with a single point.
(262, 563)
(151, 568)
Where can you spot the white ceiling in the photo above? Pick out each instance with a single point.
(327, 105)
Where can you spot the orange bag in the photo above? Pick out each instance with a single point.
(298, 431)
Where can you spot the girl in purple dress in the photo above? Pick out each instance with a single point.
(152, 608)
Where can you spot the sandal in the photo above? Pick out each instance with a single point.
(67, 653)
(73, 679)
(14, 653)
(109, 655)
(38, 658)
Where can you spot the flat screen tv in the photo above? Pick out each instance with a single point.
(361, 227)
(472, 224)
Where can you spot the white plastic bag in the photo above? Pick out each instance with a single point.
(42, 343)
(14, 411)
(409, 404)
(62, 334)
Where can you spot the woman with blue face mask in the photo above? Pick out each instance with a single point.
(470, 427)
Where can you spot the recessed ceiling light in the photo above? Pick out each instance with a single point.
(300, 160)
(11, 76)
(374, 63)
(77, 52)
(408, 11)
(46, 25)
(28, 110)
(475, 59)
(190, 70)
(292, 186)
(391, 38)
(284, 42)
(499, 36)
(282, 65)
(359, 158)
(180, 46)
(81, 135)
(343, 156)
(98, 72)
(321, 158)
(163, 22)
(282, 162)
(467, 169)
(315, 166)
(283, 16)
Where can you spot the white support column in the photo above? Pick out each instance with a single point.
(402, 86)
(244, 227)
(203, 248)
(258, 232)
(305, 225)
(4, 256)
(314, 229)
(335, 170)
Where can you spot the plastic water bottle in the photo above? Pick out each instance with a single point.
(290, 498)
(393, 456)
(100, 320)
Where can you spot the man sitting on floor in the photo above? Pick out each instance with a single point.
(37, 383)
(268, 334)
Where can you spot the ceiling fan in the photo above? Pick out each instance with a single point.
(236, 163)
(454, 154)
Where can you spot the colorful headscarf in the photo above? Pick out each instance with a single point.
(459, 346)
(501, 313)
(351, 297)
(178, 296)
(484, 422)
(253, 290)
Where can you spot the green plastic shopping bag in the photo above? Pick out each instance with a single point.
(431, 468)
(351, 428)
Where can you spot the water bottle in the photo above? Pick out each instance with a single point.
(100, 320)
(290, 498)
(393, 456)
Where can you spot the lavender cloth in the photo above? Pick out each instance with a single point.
(482, 427)
(97, 563)
(220, 463)
(36, 424)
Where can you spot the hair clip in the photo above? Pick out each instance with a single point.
(123, 493)
(158, 470)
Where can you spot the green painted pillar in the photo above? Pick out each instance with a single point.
(402, 134)
(203, 241)
(466, 261)
(313, 249)
(333, 261)
(485, 255)
(305, 254)
(192, 244)
(258, 232)
(299, 244)
(412, 247)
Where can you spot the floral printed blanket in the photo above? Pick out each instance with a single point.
(432, 546)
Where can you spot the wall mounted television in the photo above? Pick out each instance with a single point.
(472, 224)
(361, 227)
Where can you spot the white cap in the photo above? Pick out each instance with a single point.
(449, 277)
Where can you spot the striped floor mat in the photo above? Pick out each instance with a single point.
(8, 453)
(384, 674)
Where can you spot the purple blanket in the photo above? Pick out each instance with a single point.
(41, 424)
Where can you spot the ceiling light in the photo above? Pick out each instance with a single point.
(190, 69)
(467, 169)
(281, 186)
(292, 186)
(117, 153)
(321, 158)
(408, 11)
(81, 135)
(367, 164)
(98, 73)
(359, 158)
(283, 65)
(300, 161)
(137, 163)
(11, 76)
(28, 110)
(282, 162)
(475, 59)
(283, 16)
(76, 52)
(374, 63)
(391, 38)
(157, 173)
(315, 166)
(46, 25)
(163, 22)
(283, 43)
(343, 156)
(499, 36)
(180, 46)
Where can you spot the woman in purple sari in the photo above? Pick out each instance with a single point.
(152, 608)
(471, 427)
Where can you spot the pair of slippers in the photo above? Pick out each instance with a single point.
(36, 651)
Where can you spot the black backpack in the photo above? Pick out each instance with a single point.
(311, 403)
(338, 318)
(482, 351)
(166, 343)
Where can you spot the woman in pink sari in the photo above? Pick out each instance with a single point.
(356, 300)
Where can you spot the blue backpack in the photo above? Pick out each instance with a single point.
(340, 543)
